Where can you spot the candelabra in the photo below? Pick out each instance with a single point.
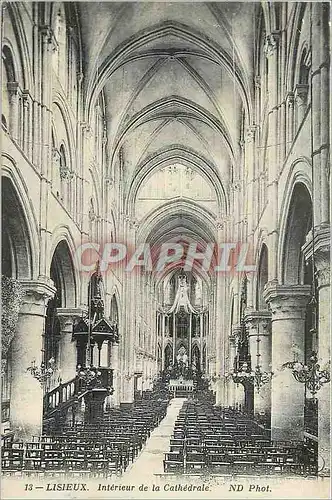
(243, 375)
(309, 374)
(261, 378)
(256, 377)
(43, 372)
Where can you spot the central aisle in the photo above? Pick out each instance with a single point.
(150, 461)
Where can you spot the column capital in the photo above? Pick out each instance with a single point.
(68, 315)
(26, 96)
(56, 157)
(258, 322)
(290, 99)
(250, 133)
(133, 223)
(236, 186)
(13, 88)
(49, 37)
(236, 329)
(37, 293)
(287, 301)
(301, 93)
(235, 333)
(222, 222)
(320, 245)
(258, 81)
(232, 339)
(324, 277)
(86, 128)
(109, 181)
(271, 44)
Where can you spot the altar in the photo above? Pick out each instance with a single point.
(183, 346)
(181, 387)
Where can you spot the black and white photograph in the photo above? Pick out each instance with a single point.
(165, 244)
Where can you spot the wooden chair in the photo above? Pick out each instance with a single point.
(174, 462)
(195, 461)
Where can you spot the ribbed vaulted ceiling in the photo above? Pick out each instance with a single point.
(177, 82)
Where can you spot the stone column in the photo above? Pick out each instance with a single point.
(217, 326)
(128, 390)
(320, 114)
(163, 323)
(324, 356)
(301, 100)
(239, 397)
(13, 89)
(237, 389)
(258, 324)
(190, 338)
(231, 386)
(322, 264)
(30, 127)
(114, 365)
(288, 304)
(46, 42)
(174, 337)
(26, 403)
(25, 123)
(68, 351)
(127, 352)
(290, 118)
(272, 52)
(250, 169)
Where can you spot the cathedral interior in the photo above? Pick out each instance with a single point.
(166, 125)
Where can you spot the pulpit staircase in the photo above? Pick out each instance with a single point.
(61, 404)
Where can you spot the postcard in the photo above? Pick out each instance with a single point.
(165, 250)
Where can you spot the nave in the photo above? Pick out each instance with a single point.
(166, 234)
(160, 436)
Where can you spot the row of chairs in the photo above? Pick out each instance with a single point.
(207, 439)
(31, 460)
(100, 449)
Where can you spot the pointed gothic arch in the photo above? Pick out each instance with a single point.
(298, 224)
(17, 259)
